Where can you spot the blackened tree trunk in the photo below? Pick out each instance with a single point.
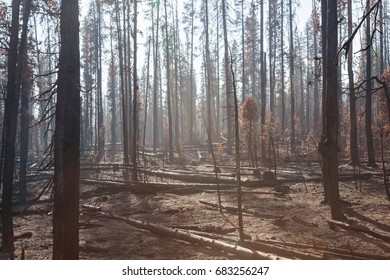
(169, 107)
(208, 74)
(263, 96)
(24, 72)
(112, 88)
(192, 91)
(238, 157)
(316, 111)
(331, 113)
(125, 127)
(10, 116)
(368, 105)
(325, 36)
(156, 136)
(243, 52)
(135, 98)
(282, 97)
(67, 138)
(146, 99)
(292, 79)
(26, 84)
(99, 43)
(228, 82)
(354, 153)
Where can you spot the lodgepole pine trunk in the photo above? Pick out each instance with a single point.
(67, 138)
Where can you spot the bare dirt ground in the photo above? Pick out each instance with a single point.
(289, 216)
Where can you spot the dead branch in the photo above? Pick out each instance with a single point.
(324, 249)
(289, 253)
(374, 232)
(234, 210)
(348, 43)
(237, 250)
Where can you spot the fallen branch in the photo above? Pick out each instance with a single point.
(275, 249)
(234, 210)
(237, 250)
(378, 233)
(324, 249)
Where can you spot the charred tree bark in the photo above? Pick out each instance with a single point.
(192, 93)
(354, 153)
(263, 94)
(292, 79)
(146, 99)
(135, 98)
(67, 138)
(331, 113)
(101, 128)
(324, 18)
(238, 158)
(282, 68)
(15, 59)
(228, 82)
(125, 131)
(368, 105)
(26, 84)
(316, 111)
(169, 101)
(156, 139)
(113, 87)
(208, 73)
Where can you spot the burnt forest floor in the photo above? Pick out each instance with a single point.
(282, 217)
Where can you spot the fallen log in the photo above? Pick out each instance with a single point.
(275, 249)
(28, 234)
(210, 230)
(324, 249)
(303, 222)
(152, 187)
(374, 232)
(237, 250)
(234, 210)
(179, 188)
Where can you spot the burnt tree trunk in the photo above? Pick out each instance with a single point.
(135, 99)
(10, 115)
(292, 79)
(228, 82)
(15, 59)
(67, 138)
(354, 153)
(331, 113)
(324, 8)
(368, 105)
(26, 84)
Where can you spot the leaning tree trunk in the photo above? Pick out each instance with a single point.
(67, 138)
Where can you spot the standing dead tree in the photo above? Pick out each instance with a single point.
(238, 158)
(67, 138)
(15, 58)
